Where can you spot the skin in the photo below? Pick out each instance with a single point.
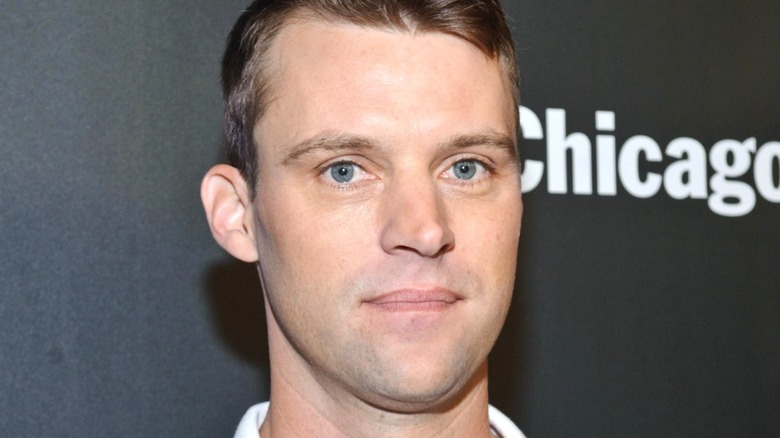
(385, 289)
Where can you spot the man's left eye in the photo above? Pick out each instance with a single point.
(342, 172)
(467, 169)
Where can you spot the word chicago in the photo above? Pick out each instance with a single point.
(718, 175)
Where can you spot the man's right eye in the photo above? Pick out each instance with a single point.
(342, 172)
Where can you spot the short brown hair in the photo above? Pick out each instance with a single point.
(245, 89)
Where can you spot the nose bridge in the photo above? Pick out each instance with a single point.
(414, 217)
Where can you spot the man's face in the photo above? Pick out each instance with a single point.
(388, 208)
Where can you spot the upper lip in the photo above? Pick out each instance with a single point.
(416, 295)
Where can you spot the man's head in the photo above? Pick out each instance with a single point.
(247, 85)
(387, 212)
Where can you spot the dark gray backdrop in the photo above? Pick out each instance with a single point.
(633, 317)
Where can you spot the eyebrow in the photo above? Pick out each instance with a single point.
(328, 142)
(486, 138)
(345, 142)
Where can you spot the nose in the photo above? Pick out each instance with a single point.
(414, 218)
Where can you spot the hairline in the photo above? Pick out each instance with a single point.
(260, 84)
(263, 75)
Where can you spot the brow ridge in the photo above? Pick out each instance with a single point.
(486, 138)
(328, 142)
(338, 141)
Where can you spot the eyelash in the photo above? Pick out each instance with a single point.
(328, 166)
(488, 167)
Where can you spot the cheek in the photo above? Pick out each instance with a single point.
(490, 243)
(492, 233)
(304, 243)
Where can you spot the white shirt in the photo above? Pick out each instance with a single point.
(255, 416)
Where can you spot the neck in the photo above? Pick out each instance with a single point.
(303, 404)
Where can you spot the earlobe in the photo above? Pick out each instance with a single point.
(229, 211)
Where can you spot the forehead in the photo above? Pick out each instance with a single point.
(337, 75)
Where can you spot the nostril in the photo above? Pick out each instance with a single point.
(414, 218)
(428, 238)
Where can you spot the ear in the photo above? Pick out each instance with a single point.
(229, 211)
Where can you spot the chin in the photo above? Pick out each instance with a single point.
(420, 385)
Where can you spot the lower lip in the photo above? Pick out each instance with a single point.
(411, 306)
(410, 313)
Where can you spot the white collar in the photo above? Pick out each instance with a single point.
(255, 416)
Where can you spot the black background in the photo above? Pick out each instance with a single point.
(632, 317)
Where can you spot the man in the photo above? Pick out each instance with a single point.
(374, 182)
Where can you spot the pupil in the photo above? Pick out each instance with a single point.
(465, 169)
(342, 172)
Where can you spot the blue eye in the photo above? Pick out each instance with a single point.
(342, 172)
(465, 169)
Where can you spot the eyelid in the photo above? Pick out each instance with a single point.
(324, 169)
(486, 163)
